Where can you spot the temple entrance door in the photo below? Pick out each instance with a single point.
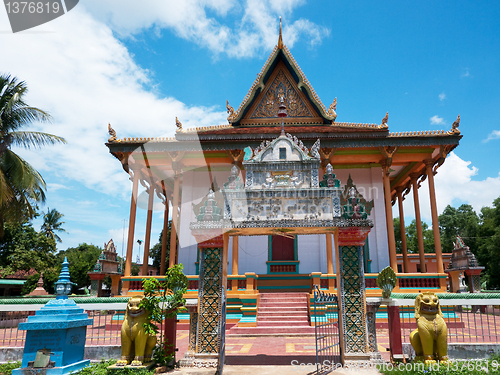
(282, 248)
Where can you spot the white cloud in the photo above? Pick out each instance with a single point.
(454, 185)
(53, 187)
(442, 96)
(436, 120)
(495, 134)
(465, 73)
(86, 81)
(253, 26)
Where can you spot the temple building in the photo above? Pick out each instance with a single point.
(384, 166)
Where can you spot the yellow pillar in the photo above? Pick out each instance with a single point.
(420, 236)
(404, 249)
(131, 228)
(164, 238)
(175, 222)
(329, 255)
(147, 240)
(435, 221)
(234, 269)
(393, 260)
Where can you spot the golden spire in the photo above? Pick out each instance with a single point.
(280, 40)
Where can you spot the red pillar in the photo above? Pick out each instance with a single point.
(170, 336)
(395, 344)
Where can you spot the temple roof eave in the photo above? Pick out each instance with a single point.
(218, 142)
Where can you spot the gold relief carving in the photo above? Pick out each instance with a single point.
(236, 156)
(388, 152)
(281, 86)
(444, 150)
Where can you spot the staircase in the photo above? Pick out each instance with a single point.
(285, 313)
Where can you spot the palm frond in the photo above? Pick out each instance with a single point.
(29, 139)
(22, 176)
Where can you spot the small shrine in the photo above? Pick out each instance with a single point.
(39, 290)
(55, 337)
(463, 262)
(107, 265)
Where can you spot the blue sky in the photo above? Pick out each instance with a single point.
(138, 65)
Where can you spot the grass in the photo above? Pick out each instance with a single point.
(6, 368)
(100, 368)
(458, 367)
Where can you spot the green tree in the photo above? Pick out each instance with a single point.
(52, 223)
(162, 299)
(488, 244)
(82, 259)
(23, 248)
(21, 186)
(462, 221)
(397, 235)
(412, 239)
(155, 251)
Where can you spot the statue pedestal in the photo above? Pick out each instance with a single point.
(55, 341)
(59, 328)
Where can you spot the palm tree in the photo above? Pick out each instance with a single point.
(21, 186)
(52, 224)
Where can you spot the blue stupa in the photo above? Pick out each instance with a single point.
(55, 337)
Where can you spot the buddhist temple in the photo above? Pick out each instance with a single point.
(384, 166)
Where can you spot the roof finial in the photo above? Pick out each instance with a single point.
(280, 40)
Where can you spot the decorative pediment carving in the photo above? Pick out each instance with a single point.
(281, 85)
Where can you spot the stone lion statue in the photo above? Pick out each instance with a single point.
(136, 343)
(430, 338)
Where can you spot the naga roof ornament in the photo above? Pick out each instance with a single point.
(112, 134)
(178, 124)
(454, 126)
(384, 125)
(230, 111)
(332, 109)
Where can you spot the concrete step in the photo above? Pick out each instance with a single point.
(284, 300)
(279, 314)
(269, 330)
(283, 309)
(279, 323)
(284, 318)
(285, 294)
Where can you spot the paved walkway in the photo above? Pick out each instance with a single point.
(262, 355)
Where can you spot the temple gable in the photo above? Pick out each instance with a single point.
(281, 84)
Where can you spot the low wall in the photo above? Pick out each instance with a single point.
(463, 350)
(94, 353)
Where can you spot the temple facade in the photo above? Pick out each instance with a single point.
(313, 148)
